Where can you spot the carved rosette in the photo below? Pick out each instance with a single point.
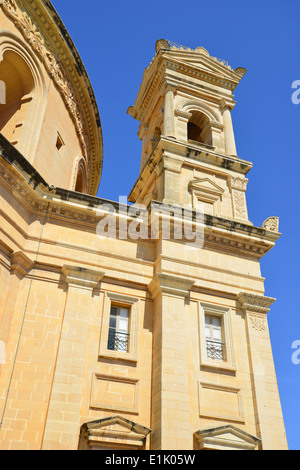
(30, 32)
(258, 322)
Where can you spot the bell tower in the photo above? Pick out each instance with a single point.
(189, 154)
(211, 345)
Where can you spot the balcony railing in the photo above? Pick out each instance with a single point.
(117, 341)
(215, 350)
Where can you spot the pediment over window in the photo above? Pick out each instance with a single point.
(207, 192)
(226, 438)
(114, 432)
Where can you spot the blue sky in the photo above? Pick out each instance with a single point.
(116, 41)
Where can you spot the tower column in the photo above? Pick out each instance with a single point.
(170, 393)
(169, 127)
(230, 146)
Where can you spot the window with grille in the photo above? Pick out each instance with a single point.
(215, 347)
(118, 335)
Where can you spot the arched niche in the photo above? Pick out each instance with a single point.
(25, 94)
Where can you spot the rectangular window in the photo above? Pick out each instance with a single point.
(216, 337)
(120, 327)
(215, 347)
(118, 335)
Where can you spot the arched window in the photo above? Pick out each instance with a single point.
(81, 176)
(19, 87)
(199, 129)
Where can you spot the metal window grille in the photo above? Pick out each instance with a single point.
(117, 341)
(215, 350)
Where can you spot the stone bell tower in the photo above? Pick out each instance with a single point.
(184, 106)
(212, 358)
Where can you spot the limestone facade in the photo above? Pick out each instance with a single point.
(124, 342)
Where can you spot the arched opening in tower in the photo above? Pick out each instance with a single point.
(199, 128)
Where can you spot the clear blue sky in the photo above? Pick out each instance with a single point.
(116, 41)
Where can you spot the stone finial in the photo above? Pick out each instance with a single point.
(202, 50)
(240, 71)
(271, 224)
(162, 44)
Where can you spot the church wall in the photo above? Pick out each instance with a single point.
(63, 328)
(60, 280)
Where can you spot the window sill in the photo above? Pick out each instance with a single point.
(118, 355)
(218, 365)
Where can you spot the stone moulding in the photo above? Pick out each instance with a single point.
(80, 277)
(34, 38)
(226, 437)
(172, 285)
(33, 192)
(115, 430)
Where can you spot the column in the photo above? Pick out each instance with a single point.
(168, 130)
(230, 146)
(268, 413)
(171, 427)
(63, 418)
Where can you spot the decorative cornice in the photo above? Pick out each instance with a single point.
(30, 190)
(255, 303)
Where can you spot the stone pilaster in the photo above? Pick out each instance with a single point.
(170, 394)
(268, 413)
(171, 171)
(67, 385)
(21, 265)
(238, 186)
